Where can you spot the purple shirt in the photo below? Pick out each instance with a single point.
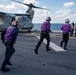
(9, 34)
(66, 28)
(46, 26)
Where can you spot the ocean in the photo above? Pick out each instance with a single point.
(54, 26)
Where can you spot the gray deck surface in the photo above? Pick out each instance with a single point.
(26, 62)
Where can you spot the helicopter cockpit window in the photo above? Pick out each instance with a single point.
(24, 18)
(1, 22)
(19, 19)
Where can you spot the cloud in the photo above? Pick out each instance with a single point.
(11, 6)
(2, 6)
(64, 12)
(40, 15)
(31, 1)
(69, 4)
(20, 11)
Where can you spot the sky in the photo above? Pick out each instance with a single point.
(60, 9)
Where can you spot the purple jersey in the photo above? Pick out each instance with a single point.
(46, 26)
(9, 34)
(66, 28)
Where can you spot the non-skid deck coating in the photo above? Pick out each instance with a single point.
(55, 62)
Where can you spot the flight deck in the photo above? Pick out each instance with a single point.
(55, 62)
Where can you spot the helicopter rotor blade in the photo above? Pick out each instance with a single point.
(21, 2)
(40, 8)
(31, 5)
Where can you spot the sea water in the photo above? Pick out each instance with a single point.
(54, 26)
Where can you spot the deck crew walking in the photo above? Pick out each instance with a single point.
(66, 28)
(72, 29)
(9, 40)
(45, 29)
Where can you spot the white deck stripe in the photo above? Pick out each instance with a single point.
(53, 46)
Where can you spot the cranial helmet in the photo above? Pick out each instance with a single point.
(48, 19)
(67, 21)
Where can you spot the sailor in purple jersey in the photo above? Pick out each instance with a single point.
(46, 26)
(45, 29)
(66, 28)
(9, 40)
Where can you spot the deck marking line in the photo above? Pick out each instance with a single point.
(52, 45)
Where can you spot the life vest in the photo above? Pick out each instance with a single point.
(72, 26)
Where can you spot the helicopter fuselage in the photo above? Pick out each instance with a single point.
(24, 22)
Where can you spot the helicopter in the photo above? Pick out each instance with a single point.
(25, 20)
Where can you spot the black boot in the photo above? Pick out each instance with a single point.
(36, 51)
(9, 64)
(48, 49)
(4, 69)
(61, 43)
(65, 48)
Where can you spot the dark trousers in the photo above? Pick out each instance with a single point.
(75, 32)
(43, 35)
(65, 39)
(71, 33)
(9, 52)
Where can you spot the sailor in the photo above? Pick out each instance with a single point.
(45, 29)
(72, 29)
(75, 30)
(66, 28)
(9, 40)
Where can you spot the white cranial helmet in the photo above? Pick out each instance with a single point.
(48, 19)
(67, 21)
